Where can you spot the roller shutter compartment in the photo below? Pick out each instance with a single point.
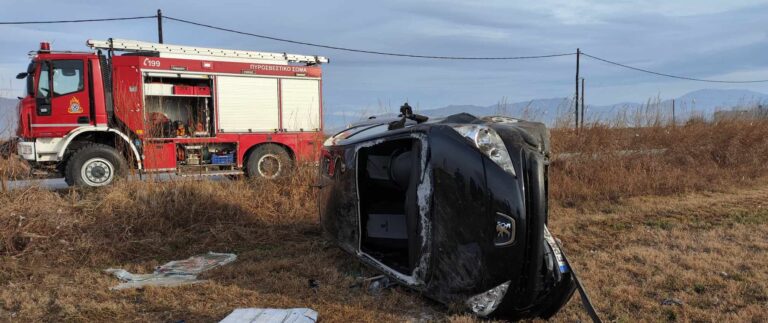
(247, 104)
(300, 104)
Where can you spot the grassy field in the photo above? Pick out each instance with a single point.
(703, 252)
(651, 216)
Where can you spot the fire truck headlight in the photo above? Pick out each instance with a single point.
(25, 150)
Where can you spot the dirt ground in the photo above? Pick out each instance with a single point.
(704, 254)
(680, 234)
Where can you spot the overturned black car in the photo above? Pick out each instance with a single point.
(454, 208)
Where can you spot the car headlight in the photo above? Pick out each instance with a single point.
(489, 142)
(484, 304)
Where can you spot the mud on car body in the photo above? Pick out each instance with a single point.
(454, 208)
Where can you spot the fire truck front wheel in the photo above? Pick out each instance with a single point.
(95, 165)
(268, 161)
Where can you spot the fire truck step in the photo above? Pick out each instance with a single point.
(212, 173)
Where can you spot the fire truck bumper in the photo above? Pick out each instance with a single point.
(41, 149)
(26, 149)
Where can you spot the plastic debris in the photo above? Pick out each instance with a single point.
(374, 284)
(672, 301)
(271, 315)
(379, 283)
(174, 273)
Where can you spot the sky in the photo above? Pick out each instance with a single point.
(710, 39)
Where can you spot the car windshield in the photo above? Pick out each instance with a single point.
(358, 132)
(349, 132)
(368, 129)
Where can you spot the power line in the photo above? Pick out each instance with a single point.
(363, 50)
(72, 21)
(668, 75)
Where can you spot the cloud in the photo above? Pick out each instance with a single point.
(702, 38)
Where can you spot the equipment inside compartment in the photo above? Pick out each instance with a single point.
(178, 107)
(207, 154)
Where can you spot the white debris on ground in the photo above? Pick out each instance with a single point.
(174, 273)
(271, 315)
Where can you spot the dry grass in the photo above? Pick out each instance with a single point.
(55, 244)
(706, 250)
(602, 163)
(11, 167)
(687, 223)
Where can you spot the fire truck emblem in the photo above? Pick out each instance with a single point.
(74, 106)
(505, 230)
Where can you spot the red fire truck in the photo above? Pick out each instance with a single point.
(164, 108)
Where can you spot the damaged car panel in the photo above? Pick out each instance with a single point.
(454, 208)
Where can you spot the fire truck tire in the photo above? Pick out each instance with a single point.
(268, 161)
(95, 165)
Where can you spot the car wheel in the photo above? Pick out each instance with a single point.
(269, 161)
(95, 165)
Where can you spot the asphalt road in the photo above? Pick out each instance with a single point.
(58, 183)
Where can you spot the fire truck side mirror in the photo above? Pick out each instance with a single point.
(21, 75)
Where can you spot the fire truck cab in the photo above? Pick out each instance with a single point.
(164, 108)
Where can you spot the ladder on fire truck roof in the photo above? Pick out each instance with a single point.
(214, 54)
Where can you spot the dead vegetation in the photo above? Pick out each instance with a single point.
(698, 257)
(649, 216)
(55, 244)
(11, 167)
(605, 164)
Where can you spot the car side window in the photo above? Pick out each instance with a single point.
(67, 77)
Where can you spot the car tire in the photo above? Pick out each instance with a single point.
(269, 161)
(95, 165)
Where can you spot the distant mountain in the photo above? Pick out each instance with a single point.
(8, 118)
(710, 100)
(701, 102)
(454, 109)
(724, 98)
(545, 110)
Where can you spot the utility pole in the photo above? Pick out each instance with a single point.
(674, 121)
(583, 107)
(159, 26)
(576, 101)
